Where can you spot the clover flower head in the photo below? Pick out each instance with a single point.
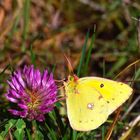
(33, 93)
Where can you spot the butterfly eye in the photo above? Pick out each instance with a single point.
(71, 78)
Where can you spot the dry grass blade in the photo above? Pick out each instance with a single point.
(138, 30)
(6, 71)
(132, 124)
(109, 133)
(135, 62)
(2, 15)
(93, 5)
(131, 107)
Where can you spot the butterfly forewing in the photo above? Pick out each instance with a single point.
(114, 93)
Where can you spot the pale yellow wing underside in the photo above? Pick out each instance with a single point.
(91, 99)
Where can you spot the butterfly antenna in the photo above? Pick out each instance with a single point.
(59, 81)
(69, 65)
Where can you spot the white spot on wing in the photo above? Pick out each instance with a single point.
(90, 106)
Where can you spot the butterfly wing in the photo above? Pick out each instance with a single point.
(85, 110)
(114, 93)
(91, 99)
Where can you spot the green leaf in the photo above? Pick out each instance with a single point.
(37, 133)
(1, 138)
(28, 134)
(83, 55)
(20, 132)
(26, 16)
(74, 135)
(89, 53)
(52, 133)
(11, 123)
(103, 132)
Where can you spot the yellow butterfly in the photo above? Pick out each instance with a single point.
(90, 100)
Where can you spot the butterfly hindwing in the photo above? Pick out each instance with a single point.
(86, 109)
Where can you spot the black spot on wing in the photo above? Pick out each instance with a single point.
(101, 85)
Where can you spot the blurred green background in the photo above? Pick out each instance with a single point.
(54, 27)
